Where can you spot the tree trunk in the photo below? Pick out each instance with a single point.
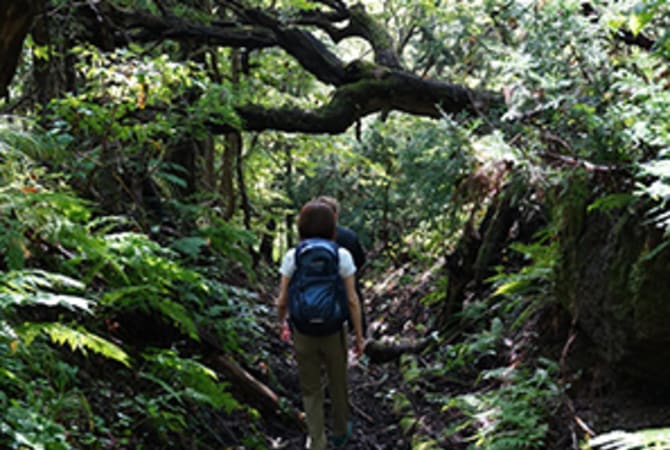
(289, 219)
(511, 216)
(230, 154)
(232, 151)
(54, 75)
(16, 17)
(186, 152)
(267, 238)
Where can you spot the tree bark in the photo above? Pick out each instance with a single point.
(16, 17)
(233, 149)
(228, 164)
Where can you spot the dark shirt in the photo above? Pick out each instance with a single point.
(347, 238)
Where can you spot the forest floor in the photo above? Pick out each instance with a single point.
(596, 400)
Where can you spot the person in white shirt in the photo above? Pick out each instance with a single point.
(316, 220)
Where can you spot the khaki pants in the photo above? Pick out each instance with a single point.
(311, 353)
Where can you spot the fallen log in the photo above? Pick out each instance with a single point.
(264, 397)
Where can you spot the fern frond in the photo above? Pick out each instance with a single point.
(77, 339)
(32, 279)
(151, 298)
(45, 299)
(179, 315)
(31, 287)
(610, 202)
(7, 331)
(20, 134)
(199, 382)
(654, 438)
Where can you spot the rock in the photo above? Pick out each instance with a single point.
(613, 275)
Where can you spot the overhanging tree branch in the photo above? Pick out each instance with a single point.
(360, 88)
(311, 53)
(115, 27)
(389, 90)
(360, 25)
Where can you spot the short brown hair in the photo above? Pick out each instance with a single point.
(316, 220)
(330, 201)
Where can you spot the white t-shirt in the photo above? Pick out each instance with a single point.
(347, 266)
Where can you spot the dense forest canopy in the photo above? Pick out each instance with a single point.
(505, 164)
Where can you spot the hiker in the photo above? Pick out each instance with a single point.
(316, 227)
(347, 238)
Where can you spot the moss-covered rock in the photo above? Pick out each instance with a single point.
(613, 277)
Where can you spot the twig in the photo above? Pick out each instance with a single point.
(584, 426)
(576, 162)
(372, 384)
(361, 413)
(578, 420)
(566, 348)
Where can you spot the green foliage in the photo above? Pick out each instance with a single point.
(98, 127)
(230, 240)
(655, 438)
(76, 339)
(39, 398)
(512, 415)
(656, 186)
(71, 274)
(186, 379)
(577, 98)
(611, 202)
(26, 428)
(33, 287)
(531, 287)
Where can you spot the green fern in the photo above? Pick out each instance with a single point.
(512, 416)
(529, 288)
(193, 379)
(34, 287)
(656, 438)
(610, 202)
(77, 339)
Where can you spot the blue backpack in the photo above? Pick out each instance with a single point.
(317, 299)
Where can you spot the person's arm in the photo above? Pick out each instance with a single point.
(282, 307)
(355, 313)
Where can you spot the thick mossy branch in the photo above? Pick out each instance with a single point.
(360, 24)
(104, 21)
(361, 88)
(377, 89)
(372, 31)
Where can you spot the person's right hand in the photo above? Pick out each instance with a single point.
(285, 334)
(359, 346)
